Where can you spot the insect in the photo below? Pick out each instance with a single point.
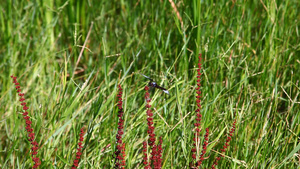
(155, 85)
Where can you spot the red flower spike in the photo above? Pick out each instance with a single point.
(149, 119)
(28, 122)
(119, 159)
(25, 108)
(30, 133)
(122, 156)
(34, 143)
(78, 153)
(198, 118)
(159, 153)
(204, 147)
(156, 150)
(29, 130)
(225, 146)
(26, 117)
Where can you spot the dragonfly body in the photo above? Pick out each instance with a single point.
(155, 85)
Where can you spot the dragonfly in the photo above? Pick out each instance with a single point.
(155, 85)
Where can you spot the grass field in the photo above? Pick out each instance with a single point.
(70, 56)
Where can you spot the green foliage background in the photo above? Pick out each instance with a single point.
(250, 73)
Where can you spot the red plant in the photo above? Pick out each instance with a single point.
(28, 127)
(120, 152)
(204, 146)
(159, 154)
(156, 150)
(197, 124)
(154, 156)
(151, 127)
(145, 159)
(78, 154)
(223, 150)
(122, 157)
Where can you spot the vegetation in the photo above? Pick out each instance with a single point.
(70, 56)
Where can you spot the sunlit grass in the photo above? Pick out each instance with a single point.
(250, 73)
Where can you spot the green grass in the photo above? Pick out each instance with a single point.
(250, 73)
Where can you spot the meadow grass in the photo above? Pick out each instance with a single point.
(71, 55)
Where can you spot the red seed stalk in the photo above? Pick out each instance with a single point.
(79, 150)
(156, 150)
(145, 158)
(123, 155)
(223, 150)
(197, 124)
(151, 127)
(159, 153)
(204, 147)
(120, 151)
(28, 122)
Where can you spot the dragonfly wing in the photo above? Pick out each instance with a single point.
(166, 91)
(146, 77)
(163, 89)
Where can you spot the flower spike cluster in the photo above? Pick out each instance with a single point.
(156, 150)
(149, 119)
(145, 158)
(197, 124)
(121, 157)
(223, 150)
(28, 127)
(204, 147)
(159, 154)
(198, 115)
(120, 152)
(79, 152)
